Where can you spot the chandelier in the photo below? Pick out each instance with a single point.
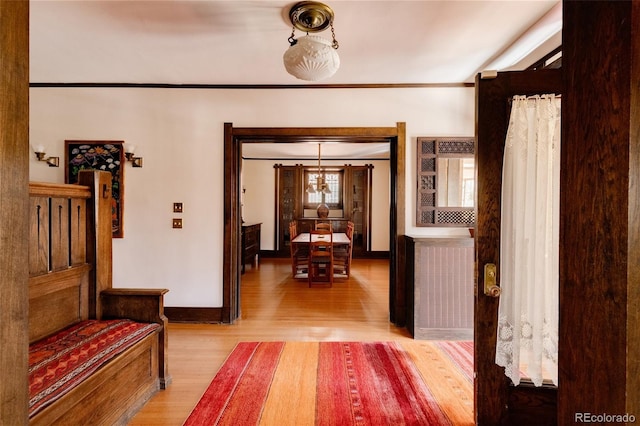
(321, 185)
(311, 57)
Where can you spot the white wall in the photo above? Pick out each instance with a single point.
(258, 177)
(179, 132)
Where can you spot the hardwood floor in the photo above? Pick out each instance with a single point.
(274, 307)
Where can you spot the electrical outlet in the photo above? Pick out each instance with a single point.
(177, 223)
(177, 207)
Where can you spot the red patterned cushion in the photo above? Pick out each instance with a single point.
(59, 362)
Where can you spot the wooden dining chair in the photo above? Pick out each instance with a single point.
(299, 252)
(323, 225)
(342, 254)
(320, 258)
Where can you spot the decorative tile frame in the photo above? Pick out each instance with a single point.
(428, 213)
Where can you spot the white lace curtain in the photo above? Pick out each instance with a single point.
(527, 343)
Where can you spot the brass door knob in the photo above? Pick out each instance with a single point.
(491, 288)
(493, 291)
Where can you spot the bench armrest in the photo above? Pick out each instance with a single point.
(144, 305)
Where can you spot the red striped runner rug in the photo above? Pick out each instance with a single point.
(341, 383)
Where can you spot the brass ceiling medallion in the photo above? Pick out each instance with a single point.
(311, 16)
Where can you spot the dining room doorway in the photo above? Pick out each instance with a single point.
(234, 137)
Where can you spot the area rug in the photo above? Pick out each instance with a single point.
(341, 383)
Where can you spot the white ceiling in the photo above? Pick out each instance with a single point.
(242, 42)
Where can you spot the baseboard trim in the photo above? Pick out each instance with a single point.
(194, 315)
(443, 334)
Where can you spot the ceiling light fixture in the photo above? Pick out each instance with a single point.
(311, 57)
(321, 185)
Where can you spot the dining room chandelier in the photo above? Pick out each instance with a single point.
(321, 185)
(311, 57)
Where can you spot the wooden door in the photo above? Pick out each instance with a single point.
(497, 401)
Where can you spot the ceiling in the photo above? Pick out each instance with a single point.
(242, 42)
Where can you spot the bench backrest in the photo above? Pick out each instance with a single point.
(63, 242)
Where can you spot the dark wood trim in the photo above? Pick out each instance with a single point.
(375, 255)
(251, 86)
(234, 137)
(397, 285)
(14, 203)
(600, 210)
(232, 232)
(369, 206)
(406, 274)
(313, 134)
(492, 388)
(195, 315)
(542, 63)
(531, 405)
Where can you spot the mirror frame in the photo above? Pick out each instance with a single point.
(428, 213)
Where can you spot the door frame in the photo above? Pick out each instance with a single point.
(233, 139)
(497, 401)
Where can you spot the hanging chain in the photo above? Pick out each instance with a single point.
(335, 44)
(292, 41)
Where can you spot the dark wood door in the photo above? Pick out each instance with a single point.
(497, 401)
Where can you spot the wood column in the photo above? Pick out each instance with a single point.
(600, 211)
(14, 205)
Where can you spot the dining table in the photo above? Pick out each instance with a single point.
(339, 238)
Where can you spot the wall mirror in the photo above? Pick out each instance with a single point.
(446, 182)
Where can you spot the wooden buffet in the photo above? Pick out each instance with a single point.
(250, 244)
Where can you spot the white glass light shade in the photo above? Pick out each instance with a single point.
(312, 58)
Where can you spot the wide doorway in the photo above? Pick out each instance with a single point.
(235, 137)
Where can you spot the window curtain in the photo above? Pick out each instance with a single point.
(527, 340)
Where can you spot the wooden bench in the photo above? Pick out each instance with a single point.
(70, 282)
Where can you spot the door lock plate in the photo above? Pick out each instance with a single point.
(491, 288)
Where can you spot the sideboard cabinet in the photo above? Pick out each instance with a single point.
(250, 244)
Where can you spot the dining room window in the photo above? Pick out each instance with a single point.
(333, 199)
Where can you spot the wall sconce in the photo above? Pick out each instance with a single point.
(129, 152)
(42, 156)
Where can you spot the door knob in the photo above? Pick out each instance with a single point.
(491, 288)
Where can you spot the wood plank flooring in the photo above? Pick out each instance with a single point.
(274, 306)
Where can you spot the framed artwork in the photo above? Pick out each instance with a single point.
(100, 155)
